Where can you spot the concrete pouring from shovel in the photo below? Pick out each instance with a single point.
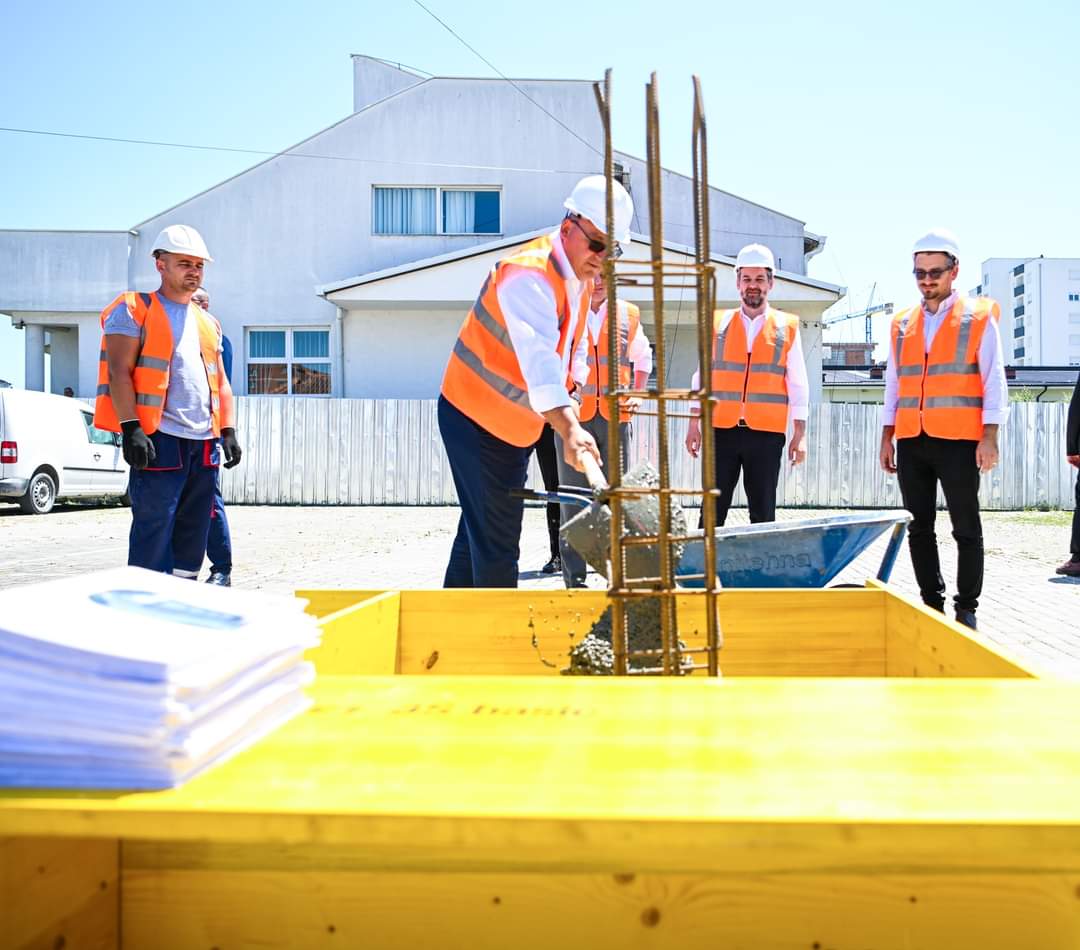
(589, 533)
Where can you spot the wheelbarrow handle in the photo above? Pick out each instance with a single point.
(564, 498)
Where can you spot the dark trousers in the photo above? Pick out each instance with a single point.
(485, 469)
(574, 567)
(170, 505)
(921, 463)
(758, 456)
(219, 540)
(549, 471)
(1074, 546)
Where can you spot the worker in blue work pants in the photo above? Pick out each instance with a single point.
(171, 500)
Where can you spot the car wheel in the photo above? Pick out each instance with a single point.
(40, 495)
(125, 500)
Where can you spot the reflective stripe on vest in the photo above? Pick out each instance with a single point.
(752, 386)
(483, 377)
(150, 377)
(941, 392)
(595, 390)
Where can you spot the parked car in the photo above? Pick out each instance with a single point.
(50, 449)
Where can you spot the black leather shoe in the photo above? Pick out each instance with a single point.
(554, 566)
(967, 618)
(218, 579)
(576, 582)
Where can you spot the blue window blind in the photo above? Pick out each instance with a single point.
(267, 344)
(311, 344)
(470, 212)
(403, 211)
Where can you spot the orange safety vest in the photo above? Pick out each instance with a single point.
(483, 378)
(595, 390)
(151, 376)
(941, 392)
(752, 386)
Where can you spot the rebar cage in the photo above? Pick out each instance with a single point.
(675, 658)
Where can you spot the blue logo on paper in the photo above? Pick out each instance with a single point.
(174, 611)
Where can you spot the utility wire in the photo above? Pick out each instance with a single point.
(503, 75)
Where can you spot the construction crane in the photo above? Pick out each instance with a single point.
(868, 313)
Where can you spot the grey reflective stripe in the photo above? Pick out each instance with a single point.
(967, 320)
(727, 395)
(913, 370)
(211, 368)
(489, 323)
(779, 398)
(772, 368)
(151, 362)
(103, 356)
(141, 399)
(554, 258)
(588, 390)
(622, 361)
(728, 365)
(943, 369)
(953, 402)
(781, 339)
(900, 331)
(501, 386)
(907, 402)
(103, 389)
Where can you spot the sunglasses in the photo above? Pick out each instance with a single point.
(935, 273)
(597, 247)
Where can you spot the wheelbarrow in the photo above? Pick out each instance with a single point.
(806, 553)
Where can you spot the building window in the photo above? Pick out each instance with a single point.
(1074, 297)
(288, 362)
(436, 210)
(1074, 339)
(1074, 318)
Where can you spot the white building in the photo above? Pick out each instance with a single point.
(344, 265)
(1040, 308)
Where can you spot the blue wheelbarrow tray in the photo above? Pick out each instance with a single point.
(805, 553)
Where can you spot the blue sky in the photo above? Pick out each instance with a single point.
(872, 122)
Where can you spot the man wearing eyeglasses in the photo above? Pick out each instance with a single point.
(590, 373)
(509, 371)
(945, 396)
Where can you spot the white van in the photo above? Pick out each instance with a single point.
(50, 449)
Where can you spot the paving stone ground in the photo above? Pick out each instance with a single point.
(1025, 606)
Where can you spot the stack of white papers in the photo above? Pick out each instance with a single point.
(132, 679)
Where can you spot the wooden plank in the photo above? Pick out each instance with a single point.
(896, 910)
(320, 603)
(766, 632)
(529, 773)
(361, 639)
(57, 892)
(922, 642)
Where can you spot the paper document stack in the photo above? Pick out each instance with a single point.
(132, 679)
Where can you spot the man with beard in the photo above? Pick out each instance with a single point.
(162, 383)
(945, 396)
(759, 382)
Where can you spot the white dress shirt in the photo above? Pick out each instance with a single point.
(638, 350)
(798, 385)
(995, 409)
(528, 306)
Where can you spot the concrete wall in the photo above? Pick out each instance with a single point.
(374, 80)
(61, 270)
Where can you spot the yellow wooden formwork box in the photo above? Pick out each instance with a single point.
(866, 774)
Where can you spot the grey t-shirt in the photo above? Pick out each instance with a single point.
(187, 402)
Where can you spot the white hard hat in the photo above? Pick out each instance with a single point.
(589, 199)
(938, 241)
(755, 255)
(182, 239)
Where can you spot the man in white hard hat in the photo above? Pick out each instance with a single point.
(162, 383)
(759, 382)
(945, 396)
(589, 370)
(509, 371)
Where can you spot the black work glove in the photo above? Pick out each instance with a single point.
(138, 449)
(230, 448)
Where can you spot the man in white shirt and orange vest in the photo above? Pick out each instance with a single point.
(509, 371)
(945, 396)
(589, 370)
(161, 382)
(759, 383)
